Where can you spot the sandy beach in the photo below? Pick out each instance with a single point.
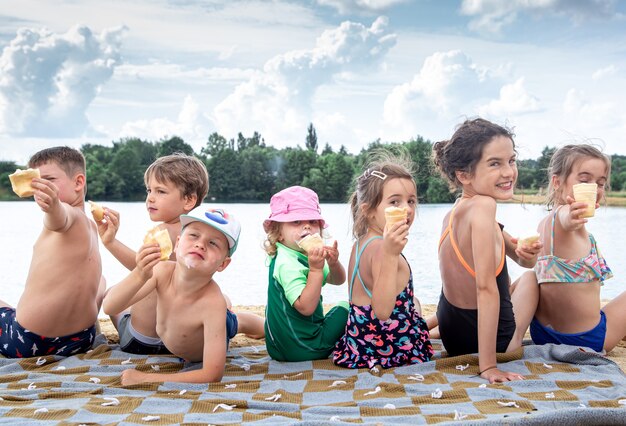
(617, 355)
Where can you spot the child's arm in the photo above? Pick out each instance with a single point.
(483, 239)
(526, 255)
(310, 296)
(337, 273)
(385, 269)
(59, 216)
(213, 357)
(108, 230)
(137, 285)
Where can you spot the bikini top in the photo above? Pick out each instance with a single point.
(455, 247)
(553, 269)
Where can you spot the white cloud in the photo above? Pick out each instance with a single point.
(604, 72)
(492, 15)
(513, 100)
(277, 100)
(448, 86)
(190, 125)
(48, 80)
(360, 6)
(169, 71)
(588, 115)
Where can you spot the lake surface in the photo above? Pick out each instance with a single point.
(245, 279)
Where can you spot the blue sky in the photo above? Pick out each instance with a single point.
(75, 72)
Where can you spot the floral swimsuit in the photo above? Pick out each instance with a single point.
(401, 339)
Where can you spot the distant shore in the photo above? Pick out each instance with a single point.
(522, 198)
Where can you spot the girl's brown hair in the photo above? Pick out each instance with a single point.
(562, 163)
(382, 165)
(465, 149)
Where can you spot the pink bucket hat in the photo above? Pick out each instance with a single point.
(294, 203)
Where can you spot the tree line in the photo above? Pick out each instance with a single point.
(246, 169)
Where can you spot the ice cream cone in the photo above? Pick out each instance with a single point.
(162, 238)
(96, 211)
(21, 179)
(310, 242)
(395, 214)
(527, 240)
(587, 193)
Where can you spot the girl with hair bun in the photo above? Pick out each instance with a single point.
(477, 313)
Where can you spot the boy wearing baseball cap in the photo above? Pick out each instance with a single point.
(192, 318)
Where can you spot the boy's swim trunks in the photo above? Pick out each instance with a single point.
(136, 343)
(17, 342)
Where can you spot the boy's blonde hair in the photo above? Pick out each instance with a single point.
(369, 185)
(562, 163)
(70, 160)
(188, 173)
(465, 148)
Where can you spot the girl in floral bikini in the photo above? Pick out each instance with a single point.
(384, 325)
(570, 270)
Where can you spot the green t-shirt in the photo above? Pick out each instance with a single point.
(291, 336)
(291, 271)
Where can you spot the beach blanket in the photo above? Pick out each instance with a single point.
(563, 384)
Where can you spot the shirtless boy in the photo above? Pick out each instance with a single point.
(192, 319)
(57, 312)
(175, 184)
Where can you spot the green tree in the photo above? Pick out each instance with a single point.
(224, 175)
(295, 164)
(439, 191)
(543, 163)
(311, 138)
(257, 182)
(331, 177)
(216, 143)
(127, 167)
(528, 174)
(173, 145)
(7, 168)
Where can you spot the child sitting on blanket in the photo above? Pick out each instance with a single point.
(175, 184)
(570, 270)
(192, 318)
(477, 310)
(296, 328)
(384, 326)
(64, 288)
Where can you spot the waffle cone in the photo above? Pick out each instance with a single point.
(162, 238)
(310, 242)
(20, 181)
(395, 214)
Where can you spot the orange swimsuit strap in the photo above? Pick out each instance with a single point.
(455, 247)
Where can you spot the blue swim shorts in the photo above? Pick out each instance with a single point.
(593, 338)
(232, 324)
(17, 342)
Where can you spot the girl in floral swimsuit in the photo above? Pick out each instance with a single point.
(570, 270)
(384, 324)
